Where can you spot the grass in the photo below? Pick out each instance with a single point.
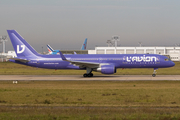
(87, 113)
(90, 93)
(90, 100)
(9, 68)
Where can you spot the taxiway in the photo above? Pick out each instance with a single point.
(97, 77)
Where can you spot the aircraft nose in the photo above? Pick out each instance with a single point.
(172, 63)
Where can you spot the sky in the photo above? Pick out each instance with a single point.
(64, 24)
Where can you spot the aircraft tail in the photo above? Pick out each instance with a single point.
(84, 45)
(21, 47)
(50, 49)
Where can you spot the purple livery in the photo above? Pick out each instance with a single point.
(104, 63)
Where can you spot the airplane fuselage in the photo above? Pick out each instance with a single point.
(118, 60)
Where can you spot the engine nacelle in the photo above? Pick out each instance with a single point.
(107, 69)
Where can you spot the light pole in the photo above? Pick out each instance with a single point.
(42, 49)
(140, 43)
(3, 39)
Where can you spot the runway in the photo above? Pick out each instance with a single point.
(95, 78)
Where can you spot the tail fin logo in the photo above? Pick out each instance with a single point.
(22, 50)
(84, 46)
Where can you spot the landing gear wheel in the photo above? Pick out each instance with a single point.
(85, 75)
(154, 75)
(90, 75)
(154, 72)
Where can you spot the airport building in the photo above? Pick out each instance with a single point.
(172, 52)
(6, 56)
(3, 55)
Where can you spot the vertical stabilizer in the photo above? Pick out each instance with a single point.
(21, 47)
(84, 45)
(50, 49)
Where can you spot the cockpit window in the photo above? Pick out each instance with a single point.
(167, 59)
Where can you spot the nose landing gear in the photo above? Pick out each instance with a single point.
(154, 72)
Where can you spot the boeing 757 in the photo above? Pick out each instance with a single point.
(52, 51)
(104, 63)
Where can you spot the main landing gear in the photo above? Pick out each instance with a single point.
(154, 72)
(88, 73)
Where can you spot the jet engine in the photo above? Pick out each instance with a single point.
(106, 69)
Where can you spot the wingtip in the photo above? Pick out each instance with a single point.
(62, 56)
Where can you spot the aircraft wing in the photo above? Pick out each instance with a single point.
(21, 60)
(82, 64)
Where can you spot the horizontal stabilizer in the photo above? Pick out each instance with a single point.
(20, 60)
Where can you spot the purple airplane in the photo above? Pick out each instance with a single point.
(104, 63)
